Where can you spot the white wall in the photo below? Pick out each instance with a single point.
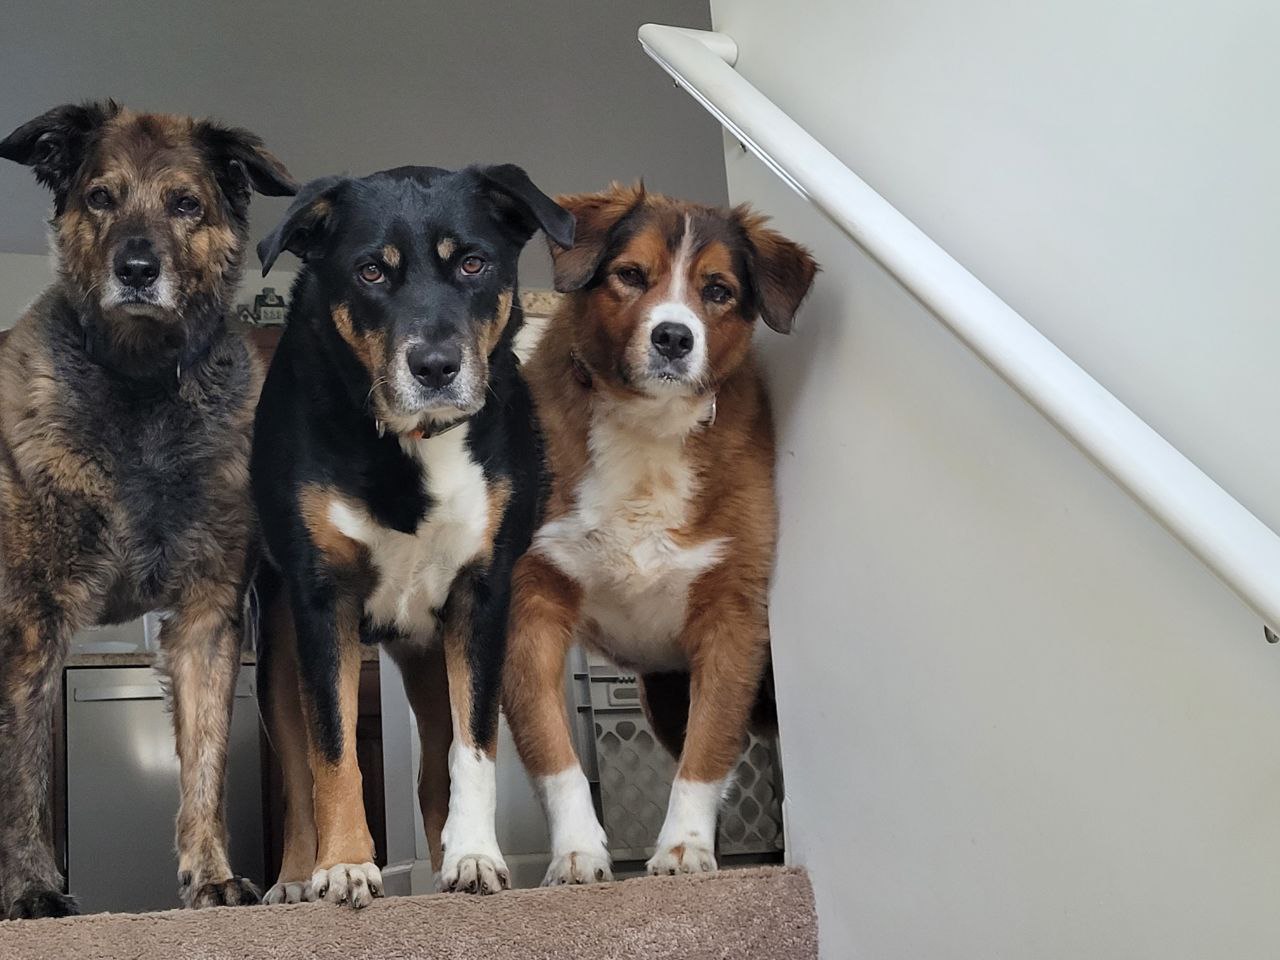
(23, 277)
(1018, 719)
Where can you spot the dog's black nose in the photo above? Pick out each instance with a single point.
(672, 340)
(434, 365)
(136, 264)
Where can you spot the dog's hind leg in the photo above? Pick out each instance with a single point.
(200, 655)
(282, 711)
(34, 636)
(426, 687)
(666, 705)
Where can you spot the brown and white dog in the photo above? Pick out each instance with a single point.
(657, 544)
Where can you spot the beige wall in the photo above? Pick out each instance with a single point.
(1018, 719)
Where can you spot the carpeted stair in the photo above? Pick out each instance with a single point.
(757, 914)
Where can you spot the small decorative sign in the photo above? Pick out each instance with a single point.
(269, 308)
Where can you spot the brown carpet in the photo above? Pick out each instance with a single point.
(758, 914)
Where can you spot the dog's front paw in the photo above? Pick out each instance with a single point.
(290, 891)
(232, 892)
(36, 903)
(475, 873)
(354, 883)
(685, 857)
(578, 866)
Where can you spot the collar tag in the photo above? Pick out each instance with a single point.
(710, 417)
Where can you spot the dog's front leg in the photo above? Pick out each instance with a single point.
(33, 647)
(544, 614)
(280, 701)
(200, 655)
(328, 647)
(474, 644)
(727, 643)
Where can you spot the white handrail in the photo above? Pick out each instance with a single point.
(1228, 539)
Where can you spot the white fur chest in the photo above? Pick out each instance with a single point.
(620, 542)
(416, 570)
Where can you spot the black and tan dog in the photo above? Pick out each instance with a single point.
(125, 407)
(397, 473)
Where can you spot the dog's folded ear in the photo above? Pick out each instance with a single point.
(598, 216)
(56, 143)
(242, 164)
(305, 225)
(782, 271)
(523, 206)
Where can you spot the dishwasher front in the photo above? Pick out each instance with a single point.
(122, 789)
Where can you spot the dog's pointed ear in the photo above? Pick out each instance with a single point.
(526, 208)
(782, 271)
(56, 143)
(597, 215)
(242, 164)
(304, 226)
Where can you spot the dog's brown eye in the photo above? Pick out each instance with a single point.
(99, 198)
(631, 276)
(716, 293)
(371, 273)
(472, 265)
(187, 206)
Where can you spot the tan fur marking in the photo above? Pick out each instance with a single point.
(457, 633)
(342, 830)
(342, 320)
(286, 725)
(391, 256)
(368, 347)
(446, 247)
(499, 496)
(314, 503)
(492, 331)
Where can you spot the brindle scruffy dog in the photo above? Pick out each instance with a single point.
(125, 412)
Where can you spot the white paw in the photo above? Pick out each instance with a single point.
(290, 891)
(578, 866)
(354, 883)
(474, 873)
(682, 858)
